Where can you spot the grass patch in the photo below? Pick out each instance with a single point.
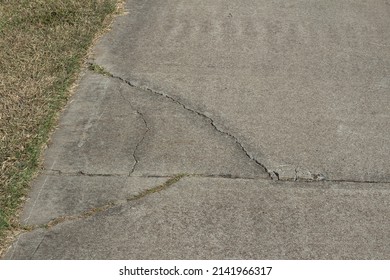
(42, 46)
(99, 70)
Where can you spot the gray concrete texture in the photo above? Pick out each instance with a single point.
(275, 112)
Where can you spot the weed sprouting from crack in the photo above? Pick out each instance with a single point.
(99, 70)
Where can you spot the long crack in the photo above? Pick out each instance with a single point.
(199, 114)
(100, 70)
(272, 174)
(171, 181)
(139, 143)
(57, 172)
(93, 211)
(52, 172)
(136, 160)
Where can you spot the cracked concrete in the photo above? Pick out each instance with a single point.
(139, 143)
(280, 172)
(203, 218)
(229, 94)
(95, 116)
(211, 122)
(57, 196)
(299, 85)
(151, 137)
(171, 148)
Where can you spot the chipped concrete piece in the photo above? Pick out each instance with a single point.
(285, 173)
(305, 175)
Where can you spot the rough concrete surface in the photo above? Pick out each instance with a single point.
(223, 130)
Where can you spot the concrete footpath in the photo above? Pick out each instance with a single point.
(223, 130)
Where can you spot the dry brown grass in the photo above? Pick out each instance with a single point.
(42, 46)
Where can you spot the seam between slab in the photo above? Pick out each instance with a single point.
(56, 172)
(59, 173)
(170, 182)
(93, 211)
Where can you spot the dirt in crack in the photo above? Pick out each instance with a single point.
(93, 211)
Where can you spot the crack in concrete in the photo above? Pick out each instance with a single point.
(104, 72)
(356, 181)
(100, 70)
(296, 174)
(171, 181)
(200, 175)
(55, 172)
(278, 173)
(272, 174)
(39, 245)
(93, 211)
(136, 160)
(139, 143)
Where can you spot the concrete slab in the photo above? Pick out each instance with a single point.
(111, 128)
(205, 218)
(301, 84)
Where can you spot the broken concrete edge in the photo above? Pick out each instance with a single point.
(281, 172)
(289, 173)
